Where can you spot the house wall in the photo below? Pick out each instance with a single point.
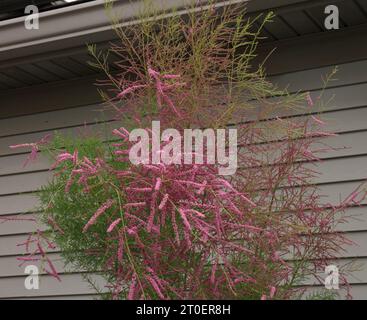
(74, 106)
(69, 106)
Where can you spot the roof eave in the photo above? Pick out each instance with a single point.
(74, 26)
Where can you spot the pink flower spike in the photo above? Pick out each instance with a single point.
(120, 250)
(155, 287)
(163, 202)
(317, 120)
(135, 204)
(132, 288)
(113, 225)
(122, 133)
(171, 76)
(202, 188)
(53, 272)
(45, 139)
(184, 219)
(132, 231)
(75, 157)
(34, 148)
(23, 145)
(199, 214)
(272, 291)
(98, 213)
(309, 99)
(248, 200)
(154, 74)
(27, 259)
(130, 89)
(158, 184)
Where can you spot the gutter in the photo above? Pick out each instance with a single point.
(70, 28)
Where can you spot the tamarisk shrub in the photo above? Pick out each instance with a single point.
(182, 231)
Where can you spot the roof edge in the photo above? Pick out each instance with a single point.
(74, 26)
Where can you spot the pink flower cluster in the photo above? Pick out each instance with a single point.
(34, 148)
(183, 231)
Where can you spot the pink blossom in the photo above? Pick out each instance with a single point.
(163, 202)
(130, 90)
(120, 249)
(155, 287)
(158, 184)
(184, 219)
(34, 148)
(272, 291)
(98, 213)
(317, 120)
(132, 288)
(113, 225)
(309, 99)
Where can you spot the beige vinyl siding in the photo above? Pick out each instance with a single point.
(74, 106)
(342, 170)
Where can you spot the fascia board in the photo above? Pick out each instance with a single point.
(74, 26)
(69, 26)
